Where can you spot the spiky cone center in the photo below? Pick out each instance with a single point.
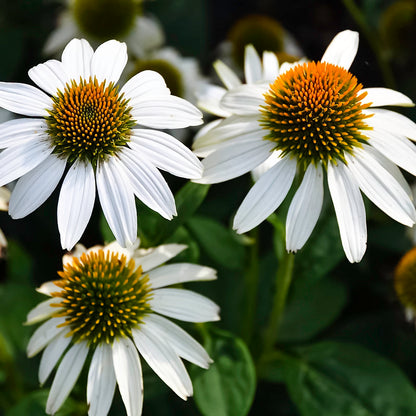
(104, 297)
(89, 121)
(313, 113)
(405, 280)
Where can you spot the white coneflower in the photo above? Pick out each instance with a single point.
(315, 118)
(88, 124)
(110, 301)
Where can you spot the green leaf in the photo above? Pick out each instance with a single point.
(227, 388)
(191, 254)
(218, 242)
(19, 263)
(336, 379)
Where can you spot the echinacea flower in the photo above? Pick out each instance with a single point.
(89, 125)
(317, 120)
(110, 301)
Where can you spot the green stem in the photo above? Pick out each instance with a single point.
(371, 36)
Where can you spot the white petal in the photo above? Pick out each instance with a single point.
(145, 83)
(381, 187)
(66, 376)
(75, 204)
(342, 50)
(52, 353)
(305, 208)
(181, 342)
(50, 76)
(128, 372)
(184, 305)
(167, 153)
(378, 97)
(180, 273)
(117, 201)
(21, 130)
(169, 112)
(270, 66)
(109, 60)
(235, 160)
(24, 99)
(48, 288)
(18, 160)
(43, 335)
(101, 381)
(227, 75)
(42, 311)
(245, 100)
(148, 184)
(396, 148)
(36, 186)
(163, 361)
(209, 97)
(76, 59)
(153, 257)
(350, 211)
(265, 196)
(200, 150)
(252, 65)
(261, 169)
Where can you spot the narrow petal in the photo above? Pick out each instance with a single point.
(184, 305)
(76, 59)
(270, 66)
(36, 186)
(24, 99)
(252, 65)
(209, 98)
(21, 130)
(66, 376)
(101, 381)
(168, 112)
(342, 50)
(18, 160)
(145, 84)
(117, 201)
(43, 335)
(75, 204)
(128, 372)
(378, 97)
(154, 257)
(350, 211)
(42, 311)
(163, 360)
(265, 196)
(180, 273)
(181, 342)
(109, 60)
(227, 75)
(245, 100)
(52, 353)
(305, 208)
(381, 187)
(396, 148)
(167, 153)
(148, 184)
(50, 76)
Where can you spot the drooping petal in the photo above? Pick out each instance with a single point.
(24, 99)
(350, 211)
(76, 59)
(245, 100)
(227, 75)
(66, 376)
(36, 186)
(167, 153)
(21, 130)
(342, 50)
(184, 305)
(101, 381)
(265, 195)
(381, 187)
(261, 169)
(42, 311)
(252, 65)
(108, 61)
(156, 256)
(50, 76)
(163, 360)
(128, 372)
(198, 147)
(378, 97)
(117, 201)
(18, 160)
(180, 273)
(181, 342)
(305, 208)
(209, 98)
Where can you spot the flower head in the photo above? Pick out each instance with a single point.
(110, 301)
(87, 123)
(314, 119)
